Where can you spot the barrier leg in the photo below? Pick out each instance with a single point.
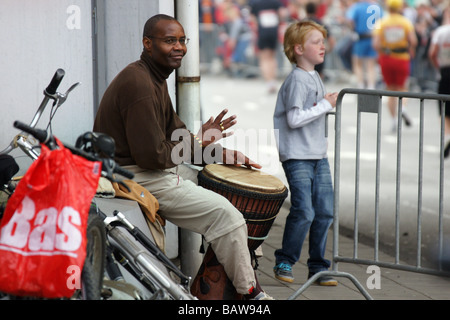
(333, 274)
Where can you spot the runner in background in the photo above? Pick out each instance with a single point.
(363, 15)
(395, 40)
(268, 14)
(440, 57)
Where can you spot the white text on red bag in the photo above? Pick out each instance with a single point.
(45, 232)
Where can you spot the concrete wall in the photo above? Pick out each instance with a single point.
(41, 36)
(119, 33)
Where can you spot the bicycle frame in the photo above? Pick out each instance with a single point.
(166, 287)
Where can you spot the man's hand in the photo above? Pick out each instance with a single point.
(214, 129)
(238, 159)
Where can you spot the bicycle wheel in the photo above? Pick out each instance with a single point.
(94, 265)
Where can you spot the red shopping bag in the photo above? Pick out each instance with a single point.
(43, 230)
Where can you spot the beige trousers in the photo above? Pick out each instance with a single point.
(189, 206)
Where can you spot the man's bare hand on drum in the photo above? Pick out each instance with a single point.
(238, 159)
(214, 129)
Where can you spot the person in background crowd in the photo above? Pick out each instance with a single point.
(395, 40)
(207, 25)
(226, 14)
(268, 14)
(363, 15)
(427, 19)
(439, 54)
(239, 38)
(344, 45)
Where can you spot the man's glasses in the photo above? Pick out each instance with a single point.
(171, 41)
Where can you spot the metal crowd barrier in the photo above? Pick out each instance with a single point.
(370, 102)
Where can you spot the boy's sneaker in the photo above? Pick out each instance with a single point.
(283, 272)
(325, 281)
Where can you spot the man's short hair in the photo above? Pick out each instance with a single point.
(151, 23)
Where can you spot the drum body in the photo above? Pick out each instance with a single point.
(258, 196)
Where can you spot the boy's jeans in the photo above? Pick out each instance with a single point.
(311, 211)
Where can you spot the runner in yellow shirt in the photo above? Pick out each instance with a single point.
(395, 40)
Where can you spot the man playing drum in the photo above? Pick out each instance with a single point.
(137, 112)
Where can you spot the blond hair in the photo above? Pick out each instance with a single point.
(296, 34)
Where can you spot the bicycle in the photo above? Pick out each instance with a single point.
(90, 278)
(110, 238)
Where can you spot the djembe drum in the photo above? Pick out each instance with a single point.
(258, 196)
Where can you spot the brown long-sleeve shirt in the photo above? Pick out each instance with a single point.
(137, 112)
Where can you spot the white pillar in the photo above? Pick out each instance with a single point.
(188, 108)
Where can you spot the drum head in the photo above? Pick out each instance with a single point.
(244, 178)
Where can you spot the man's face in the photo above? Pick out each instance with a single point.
(160, 48)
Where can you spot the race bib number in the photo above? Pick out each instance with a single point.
(394, 35)
(268, 18)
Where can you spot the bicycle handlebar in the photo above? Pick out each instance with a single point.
(110, 163)
(39, 134)
(49, 94)
(109, 166)
(54, 83)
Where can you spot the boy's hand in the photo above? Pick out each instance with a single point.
(331, 98)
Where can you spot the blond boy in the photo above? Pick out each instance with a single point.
(299, 119)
